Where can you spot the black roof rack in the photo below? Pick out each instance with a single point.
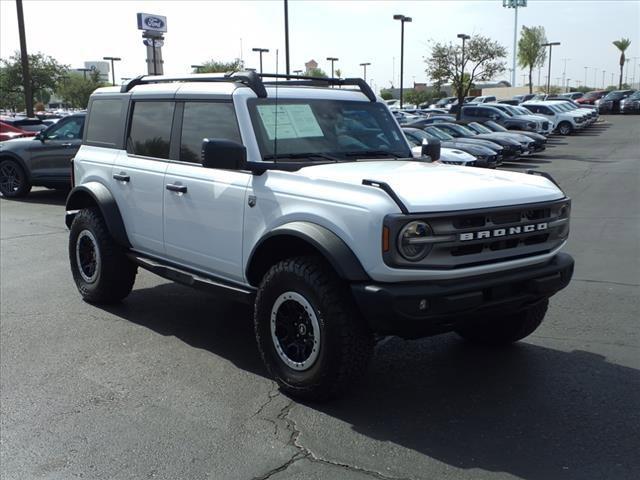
(253, 80)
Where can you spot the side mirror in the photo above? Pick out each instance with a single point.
(40, 136)
(223, 154)
(431, 149)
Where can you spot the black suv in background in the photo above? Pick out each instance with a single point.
(610, 103)
(42, 160)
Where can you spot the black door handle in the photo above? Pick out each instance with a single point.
(121, 177)
(177, 188)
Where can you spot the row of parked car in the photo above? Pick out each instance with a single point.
(488, 133)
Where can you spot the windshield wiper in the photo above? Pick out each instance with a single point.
(373, 153)
(294, 156)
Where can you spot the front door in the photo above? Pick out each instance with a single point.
(59, 143)
(204, 207)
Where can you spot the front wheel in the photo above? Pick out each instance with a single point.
(311, 337)
(13, 180)
(505, 329)
(101, 271)
(565, 128)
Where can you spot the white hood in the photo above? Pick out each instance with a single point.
(436, 187)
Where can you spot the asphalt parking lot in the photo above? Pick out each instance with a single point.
(169, 384)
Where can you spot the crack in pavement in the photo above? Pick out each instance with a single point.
(606, 282)
(34, 235)
(304, 453)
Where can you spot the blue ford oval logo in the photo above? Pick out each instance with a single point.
(154, 22)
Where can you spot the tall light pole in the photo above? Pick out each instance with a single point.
(297, 72)
(286, 33)
(603, 72)
(197, 67)
(365, 65)
(461, 91)
(260, 51)
(595, 78)
(84, 71)
(612, 76)
(585, 75)
(564, 69)
(332, 60)
(402, 19)
(113, 70)
(568, 88)
(515, 4)
(550, 45)
(24, 57)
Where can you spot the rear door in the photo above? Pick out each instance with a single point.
(137, 179)
(204, 207)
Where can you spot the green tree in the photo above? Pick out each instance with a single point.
(531, 53)
(385, 94)
(316, 72)
(45, 75)
(415, 97)
(622, 45)
(75, 90)
(215, 66)
(483, 60)
(338, 73)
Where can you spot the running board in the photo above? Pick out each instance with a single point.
(216, 287)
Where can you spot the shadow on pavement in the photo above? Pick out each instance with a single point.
(49, 197)
(533, 412)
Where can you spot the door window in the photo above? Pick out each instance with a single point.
(68, 129)
(206, 120)
(150, 132)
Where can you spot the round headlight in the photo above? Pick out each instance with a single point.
(411, 241)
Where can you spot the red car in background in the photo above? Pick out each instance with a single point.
(590, 98)
(7, 132)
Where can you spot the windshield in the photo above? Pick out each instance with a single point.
(439, 134)
(332, 128)
(522, 111)
(495, 126)
(480, 128)
(613, 96)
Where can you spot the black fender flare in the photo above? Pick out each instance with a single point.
(330, 245)
(19, 160)
(96, 193)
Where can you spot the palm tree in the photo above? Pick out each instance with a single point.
(531, 53)
(622, 45)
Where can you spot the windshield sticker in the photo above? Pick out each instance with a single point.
(294, 121)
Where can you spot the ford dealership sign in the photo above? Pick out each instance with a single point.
(152, 23)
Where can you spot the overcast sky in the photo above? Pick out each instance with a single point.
(353, 31)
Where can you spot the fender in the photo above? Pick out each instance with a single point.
(91, 193)
(332, 248)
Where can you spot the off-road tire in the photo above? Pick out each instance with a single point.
(345, 345)
(12, 171)
(505, 329)
(565, 128)
(114, 272)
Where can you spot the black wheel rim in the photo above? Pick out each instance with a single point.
(295, 331)
(10, 178)
(87, 256)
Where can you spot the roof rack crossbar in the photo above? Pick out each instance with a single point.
(254, 81)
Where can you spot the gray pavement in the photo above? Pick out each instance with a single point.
(169, 384)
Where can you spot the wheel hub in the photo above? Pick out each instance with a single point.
(9, 178)
(295, 331)
(88, 256)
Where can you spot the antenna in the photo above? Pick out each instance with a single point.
(275, 128)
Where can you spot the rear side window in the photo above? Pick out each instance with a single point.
(206, 120)
(150, 132)
(104, 123)
(471, 112)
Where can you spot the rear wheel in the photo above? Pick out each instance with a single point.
(311, 337)
(565, 128)
(505, 329)
(102, 272)
(13, 180)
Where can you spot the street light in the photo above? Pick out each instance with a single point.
(365, 65)
(84, 71)
(113, 70)
(514, 4)
(260, 51)
(550, 45)
(460, 86)
(603, 72)
(402, 19)
(297, 72)
(585, 75)
(332, 60)
(197, 67)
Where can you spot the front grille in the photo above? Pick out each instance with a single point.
(463, 239)
(545, 125)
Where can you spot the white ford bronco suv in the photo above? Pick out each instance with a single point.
(300, 196)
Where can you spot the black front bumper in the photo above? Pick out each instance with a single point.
(414, 310)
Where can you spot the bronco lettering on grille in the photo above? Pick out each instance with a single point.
(503, 232)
